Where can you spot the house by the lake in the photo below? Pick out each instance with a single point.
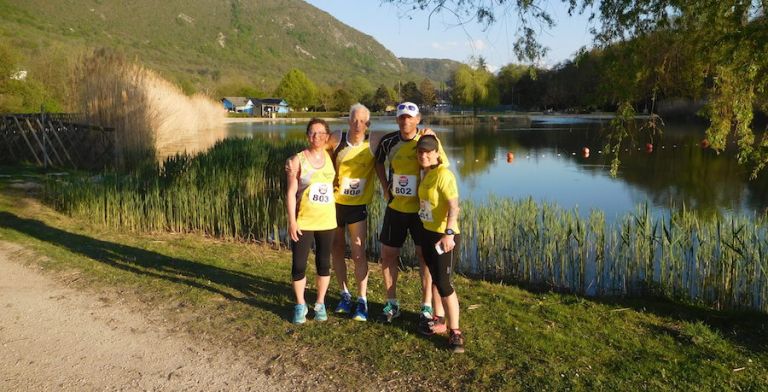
(238, 104)
(270, 107)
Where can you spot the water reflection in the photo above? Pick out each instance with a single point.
(549, 165)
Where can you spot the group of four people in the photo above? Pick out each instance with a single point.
(329, 187)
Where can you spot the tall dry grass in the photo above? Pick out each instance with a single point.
(151, 117)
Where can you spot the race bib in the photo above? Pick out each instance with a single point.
(425, 211)
(404, 185)
(352, 187)
(321, 193)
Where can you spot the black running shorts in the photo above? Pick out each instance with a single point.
(396, 227)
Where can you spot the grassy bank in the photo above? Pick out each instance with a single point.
(234, 293)
(235, 191)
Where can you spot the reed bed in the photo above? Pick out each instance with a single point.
(152, 117)
(236, 191)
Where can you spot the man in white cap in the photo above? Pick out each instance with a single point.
(400, 184)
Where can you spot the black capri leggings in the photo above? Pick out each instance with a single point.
(440, 266)
(323, 240)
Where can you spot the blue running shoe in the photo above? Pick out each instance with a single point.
(345, 305)
(361, 311)
(320, 314)
(426, 312)
(300, 314)
(389, 313)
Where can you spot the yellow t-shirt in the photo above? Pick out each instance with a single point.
(404, 170)
(355, 168)
(315, 204)
(435, 189)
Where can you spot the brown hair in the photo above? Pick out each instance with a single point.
(315, 120)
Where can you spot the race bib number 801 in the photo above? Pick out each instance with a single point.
(404, 185)
(321, 193)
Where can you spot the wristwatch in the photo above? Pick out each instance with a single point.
(450, 232)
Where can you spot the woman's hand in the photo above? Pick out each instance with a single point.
(446, 243)
(294, 232)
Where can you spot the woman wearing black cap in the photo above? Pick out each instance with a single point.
(439, 211)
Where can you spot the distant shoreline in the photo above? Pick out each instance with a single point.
(291, 120)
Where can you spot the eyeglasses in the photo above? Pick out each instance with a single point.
(403, 106)
(317, 134)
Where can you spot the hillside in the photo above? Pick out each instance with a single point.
(439, 70)
(204, 44)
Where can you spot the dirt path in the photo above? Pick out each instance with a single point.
(56, 338)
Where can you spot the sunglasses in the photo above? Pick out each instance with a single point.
(403, 106)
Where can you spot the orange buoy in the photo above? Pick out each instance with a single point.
(510, 157)
(585, 152)
(648, 147)
(704, 143)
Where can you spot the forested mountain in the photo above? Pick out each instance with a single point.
(202, 44)
(438, 70)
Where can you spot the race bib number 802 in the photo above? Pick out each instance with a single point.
(404, 185)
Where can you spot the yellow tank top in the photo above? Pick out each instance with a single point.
(315, 205)
(435, 189)
(404, 172)
(354, 165)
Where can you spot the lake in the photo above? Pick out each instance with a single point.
(549, 165)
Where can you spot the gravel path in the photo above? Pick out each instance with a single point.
(56, 338)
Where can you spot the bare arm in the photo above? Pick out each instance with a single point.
(446, 241)
(293, 171)
(381, 173)
(333, 141)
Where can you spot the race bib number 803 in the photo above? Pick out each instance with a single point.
(321, 193)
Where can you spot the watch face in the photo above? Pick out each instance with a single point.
(450, 231)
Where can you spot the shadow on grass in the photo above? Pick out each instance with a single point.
(748, 329)
(159, 266)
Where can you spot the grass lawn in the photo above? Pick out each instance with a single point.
(239, 294)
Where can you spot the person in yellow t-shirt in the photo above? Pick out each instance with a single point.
(354, 189)
(439, 212)
(399, 185)
(311, 216)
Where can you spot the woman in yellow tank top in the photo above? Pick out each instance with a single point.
(311, 216)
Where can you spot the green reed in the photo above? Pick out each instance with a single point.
(236, 191)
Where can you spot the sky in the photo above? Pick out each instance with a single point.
(413, 34)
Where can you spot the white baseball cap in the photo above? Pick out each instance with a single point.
(408, 108)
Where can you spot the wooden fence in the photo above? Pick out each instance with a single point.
(59, 140)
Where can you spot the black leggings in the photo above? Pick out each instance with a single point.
(323, 240)
(440, 266)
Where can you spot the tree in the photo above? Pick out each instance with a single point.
(428, 93)
(723, 41)
(342, 100)
(411, 93)
(382, 98)
(297, 90)
(508, 77)
(474, 86)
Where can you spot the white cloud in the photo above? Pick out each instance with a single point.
(444, 45)
(477, 45)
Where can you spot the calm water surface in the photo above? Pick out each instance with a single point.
(549, 165)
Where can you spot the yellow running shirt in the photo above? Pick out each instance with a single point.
(436, 188)
(354, 165)
(404, 170)
(316, 208)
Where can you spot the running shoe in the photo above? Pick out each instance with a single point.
(300, 314)
(345, 305)
(320, 314)
(456, 341)
(389, 313)
(361, 311)
(434, 326)
(426, 312)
